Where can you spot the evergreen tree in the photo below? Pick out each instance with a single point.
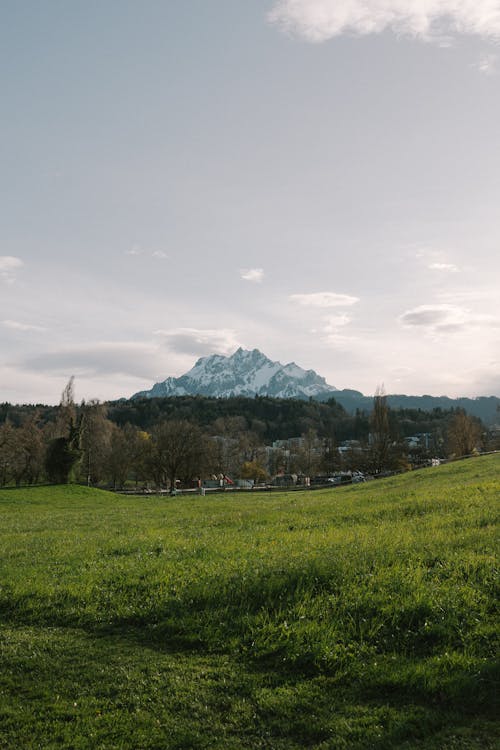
(61, 458)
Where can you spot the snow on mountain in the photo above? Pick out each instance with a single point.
(244, 373)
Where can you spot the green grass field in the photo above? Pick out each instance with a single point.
(358, 617)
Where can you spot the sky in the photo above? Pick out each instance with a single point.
(318, 179)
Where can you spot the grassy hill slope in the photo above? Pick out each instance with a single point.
(358, 617)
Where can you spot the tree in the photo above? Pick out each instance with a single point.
(232, 445)
(8, 452)
(32, 450)
(178, 452)
(330, 457)
(119, 457)
(253, 470)
(464, 434)
(66, 413)
(142, 453)
(308, 456)
(62, 439)
(94, 437)
(277, 461)
(380, 438)
(61, 458)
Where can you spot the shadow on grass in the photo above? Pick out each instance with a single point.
(322, 671)
(291, 706)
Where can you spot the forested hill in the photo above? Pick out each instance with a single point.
(346, 415)
(270, 418)
(279, 410)
(485, 407)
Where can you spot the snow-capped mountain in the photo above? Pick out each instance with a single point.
(244, 373)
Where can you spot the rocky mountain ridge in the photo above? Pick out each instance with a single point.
(244, 373)
(250, 373)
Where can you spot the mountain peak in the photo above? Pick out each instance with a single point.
(243, 373)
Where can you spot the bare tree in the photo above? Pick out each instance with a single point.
(94, 437)
(330, 457)
(32, 450)
(380, 437)
(9, 453)
(308, 455)
(464, 434)
(231, 445)
(178, 452)
(120, 455)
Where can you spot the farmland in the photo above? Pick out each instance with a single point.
(351, 618)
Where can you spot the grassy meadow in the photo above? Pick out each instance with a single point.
(341, 619)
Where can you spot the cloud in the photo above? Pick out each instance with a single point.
(334, 322)
(200, 342)
(446, 318)
(136, 250)
(324, 299)
(487, 64)
(15, 325)
(436, 259)
(8, 267)
(433, 315)
(102, 358)
(331, 331)
(9, 263)
(319, 20)
(252, 274)
(450, 267)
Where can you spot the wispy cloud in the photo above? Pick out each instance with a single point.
(16, 325)
(488, 64)
(199, 342)
(334, 322)
(446, 318)
(447, 267)
(9, 265)
(437, 259)
(324, 299)
(319, 20)
(252, 274)
(134, 359)
(136, 250)
(332, 331)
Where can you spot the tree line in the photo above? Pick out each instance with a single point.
(158, 442)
